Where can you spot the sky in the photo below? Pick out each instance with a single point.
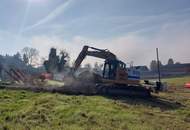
(132, 29)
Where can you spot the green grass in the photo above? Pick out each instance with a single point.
(22, 110)
(179, 81)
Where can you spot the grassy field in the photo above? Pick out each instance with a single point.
(180, 81)
(22, 110)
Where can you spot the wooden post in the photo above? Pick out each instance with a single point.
(158, 65)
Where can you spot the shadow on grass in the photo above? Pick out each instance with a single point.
(155, 102)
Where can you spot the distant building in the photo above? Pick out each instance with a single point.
(175, 69)
(166, 71)
(142, 68)
(144, 72)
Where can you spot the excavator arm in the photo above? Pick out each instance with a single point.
(95, 52)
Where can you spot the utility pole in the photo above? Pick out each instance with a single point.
(158, 65)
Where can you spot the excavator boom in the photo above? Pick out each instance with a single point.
(95, 52)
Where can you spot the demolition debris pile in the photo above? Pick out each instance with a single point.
(71, 85)
(19, 76)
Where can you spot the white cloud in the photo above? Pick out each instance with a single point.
(172, 41)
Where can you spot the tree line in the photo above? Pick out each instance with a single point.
(24, 60)
(28, 59)
(154, 64)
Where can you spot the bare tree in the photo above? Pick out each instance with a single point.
(63, 60)
(29, 55)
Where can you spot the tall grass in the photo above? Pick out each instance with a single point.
(21, 110)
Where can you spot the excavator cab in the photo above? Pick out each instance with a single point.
(114, 70)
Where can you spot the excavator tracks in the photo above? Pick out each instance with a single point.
(126, 91)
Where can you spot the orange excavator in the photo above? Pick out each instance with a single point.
(116, 78)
